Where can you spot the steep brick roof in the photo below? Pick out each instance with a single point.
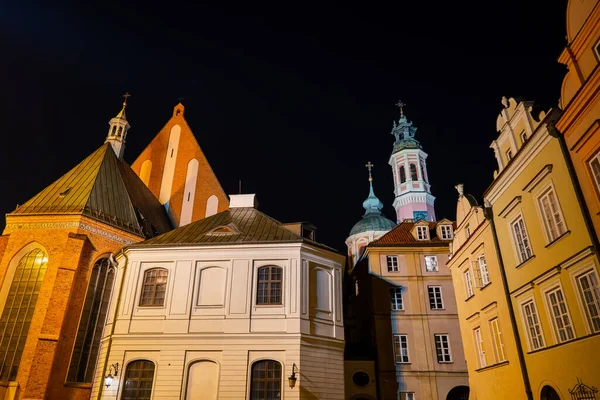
(401, 236)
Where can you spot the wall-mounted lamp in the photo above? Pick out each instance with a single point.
(114, 368)
(292, 379)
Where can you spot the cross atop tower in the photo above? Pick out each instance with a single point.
(126, 96)
(401, 105)
(369, 166)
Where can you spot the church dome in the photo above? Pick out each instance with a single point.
(373, 220)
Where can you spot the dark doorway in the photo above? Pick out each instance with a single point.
(548, 393)
(458, 393)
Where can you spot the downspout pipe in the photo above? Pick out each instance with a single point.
(489, 215)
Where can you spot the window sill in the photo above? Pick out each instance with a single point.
(437, 309)
(403, 362)
(497, 365)
(526, 261)
(268, 305)
(78, 385)
(445, 362)
(470, 297)
(151, 306)
(563, 343)
(486, 285)
(558, 238)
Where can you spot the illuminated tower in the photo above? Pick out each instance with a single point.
(118, 127)
(411, 183)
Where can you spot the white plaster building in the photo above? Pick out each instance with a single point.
(226, 307)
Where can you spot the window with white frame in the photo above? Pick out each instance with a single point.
(560, 315)
(401, 348)
(522, 243)
(498, 341)
(483, 271)
(468, 283)
(392, 263)
(595, 169)
(442, 348)
(446, 231)
(552, 216)
(431, 264)
(422, 232)
(407, 396)
(396, 298)
(435, 297)
(589, 291)
(534, 329)
(479, 347)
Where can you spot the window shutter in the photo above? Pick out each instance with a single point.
(476, 274)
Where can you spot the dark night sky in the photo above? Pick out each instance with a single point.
(291, 98)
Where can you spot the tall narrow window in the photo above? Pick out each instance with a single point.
(401, 348)
(413, 172)
(423, 173)
(468, 283)
(479, 347)
(154, 287)
(265, 380)
(589, 291)
(402, 174)
(498, 342)
(552, 214)
(431, 264)
(595, 169)
(18, 311)
(138, 380)
(560, 315)
(435, 297)
(442, 348)
(396, 298)
(269, 285)
(521, 239)
(392, 263)
(534, 330)
(485, 276)
(93, 318)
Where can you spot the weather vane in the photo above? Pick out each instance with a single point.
(369, 165)
(401, 105)
(126, 96)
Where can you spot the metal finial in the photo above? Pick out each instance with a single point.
(126, 96)
(401, 105)
(369, 166)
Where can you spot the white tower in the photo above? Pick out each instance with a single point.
(117, 131)
(411, 183)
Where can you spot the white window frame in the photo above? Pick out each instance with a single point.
(396, 300)
(468, 283)
(551, 236)
(431, 266)
(536, 326)
(480, 272)
(521, 247)
(444, 352)
(498, 341)
(435, 294)
(393, 264)
(406, 395)
(422, 232)
(478, 338)
(559, 315)
(591, 300)
(446, 232)
(401, 343)
(595, 173)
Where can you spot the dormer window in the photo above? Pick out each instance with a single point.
(446, 232)
(422, 233)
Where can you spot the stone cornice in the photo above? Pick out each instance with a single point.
(70, 225)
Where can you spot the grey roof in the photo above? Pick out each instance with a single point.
(245, 225)
(106, 189)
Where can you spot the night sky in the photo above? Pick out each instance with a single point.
(291, 98)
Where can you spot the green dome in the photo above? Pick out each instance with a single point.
(373, 220)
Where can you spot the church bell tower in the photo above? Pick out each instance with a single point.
(117, 131)
(413, 199)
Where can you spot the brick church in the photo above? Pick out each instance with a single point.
(57, 252)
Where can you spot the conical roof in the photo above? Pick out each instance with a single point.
(103, 188)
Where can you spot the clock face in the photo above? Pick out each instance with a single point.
(417, 215)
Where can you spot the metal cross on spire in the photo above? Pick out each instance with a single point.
(401, 105)
(369, 166)
(126, 96)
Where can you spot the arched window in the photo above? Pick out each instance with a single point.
(413, 172)
(138, 380)
(18, 311)
(154, 287)
(114, 130)
(269, 285)
(93, 318)
(402, 174)
(120, 131)
(266, 380)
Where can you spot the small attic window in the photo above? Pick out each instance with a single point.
(65, 192)
(422, 233)
(446, 232)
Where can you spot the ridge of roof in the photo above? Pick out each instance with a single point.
(401, 236)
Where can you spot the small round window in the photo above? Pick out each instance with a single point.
(361, 378)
